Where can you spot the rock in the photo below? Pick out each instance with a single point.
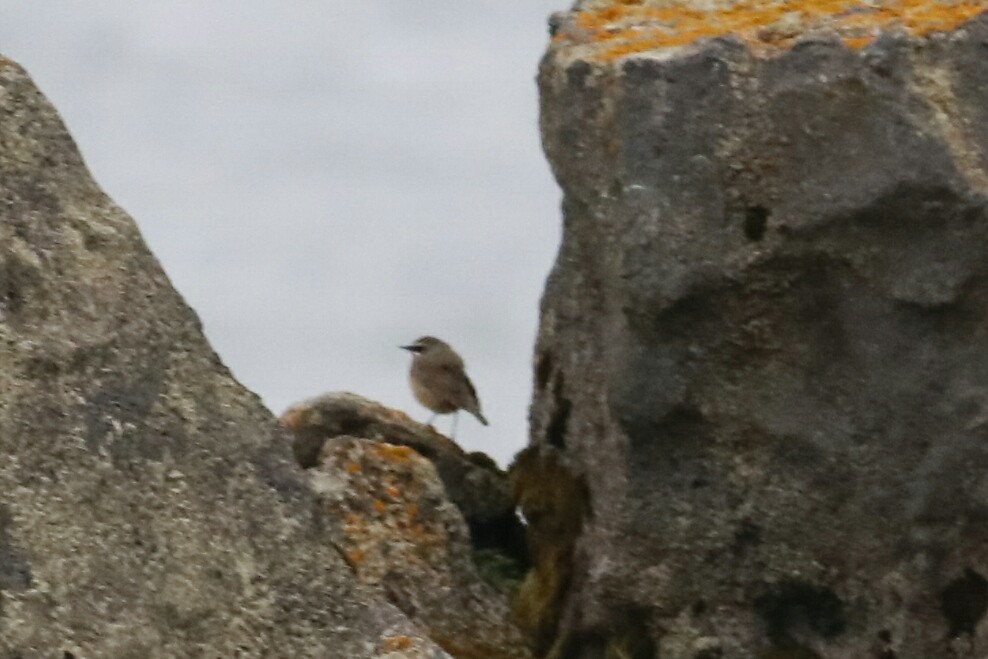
(764, 344)
(473, 481)
(150, 507)
(401, 534)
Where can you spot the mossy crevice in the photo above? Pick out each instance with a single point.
(555, 502)
(630, 639)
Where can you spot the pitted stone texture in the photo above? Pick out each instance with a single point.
(402, 535)
(150, 506)
(764, 348)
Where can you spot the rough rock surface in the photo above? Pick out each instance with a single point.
(401, 534)
(150, 507)
(763, 355)
(473, 481)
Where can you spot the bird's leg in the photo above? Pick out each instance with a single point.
(456, 417)
(429, 422)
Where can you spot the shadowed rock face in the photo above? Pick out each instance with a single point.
(764, 347)
(150, 506)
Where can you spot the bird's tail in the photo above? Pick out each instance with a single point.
(480, 417)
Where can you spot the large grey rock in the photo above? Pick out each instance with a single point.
(764, 349)
(149, 506)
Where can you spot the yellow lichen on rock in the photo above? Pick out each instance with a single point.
(396, 643)
(396, 528)
(611, 29)
(393, 452)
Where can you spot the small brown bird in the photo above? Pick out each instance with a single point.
(439, 380)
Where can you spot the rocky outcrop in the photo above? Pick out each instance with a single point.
(401, 534)
(150, 505)
(433, 528)
(472, 480)
(762, 368)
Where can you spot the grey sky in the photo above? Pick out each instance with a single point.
(324, 181)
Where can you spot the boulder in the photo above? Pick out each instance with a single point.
(401, 535)
(472, 481)
(762, 366)
(150, 505)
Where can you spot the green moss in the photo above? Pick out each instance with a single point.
(499, 570)
(630, 639)
(554, 502)
(632, 642)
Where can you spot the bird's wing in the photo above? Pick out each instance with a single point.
(452, 375)
(476, 401)
(464, 384)
(456, 380)
(471, 389)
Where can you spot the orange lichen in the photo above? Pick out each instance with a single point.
(411, 510)
(293, 419)
(620, 28)
(353, 467)
(392, 491)
(355, 557)
(393, 452)
(418, 533)
(856, 43)
(396, 643)
(396, 416)
(380, 506)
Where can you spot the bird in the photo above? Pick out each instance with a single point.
(439, 380)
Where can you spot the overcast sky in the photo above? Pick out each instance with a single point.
(324, 181)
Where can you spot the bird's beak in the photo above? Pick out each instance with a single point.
(408, 348)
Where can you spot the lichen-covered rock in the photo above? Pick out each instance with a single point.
(764, 344)
(400, 533)
(149, 506)
(473, 481)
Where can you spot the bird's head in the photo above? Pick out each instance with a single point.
(423, 345)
